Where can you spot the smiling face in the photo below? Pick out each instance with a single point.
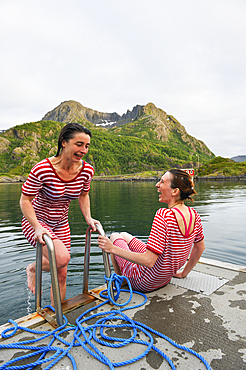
(76, 147)
(167, 194)
(164, 188)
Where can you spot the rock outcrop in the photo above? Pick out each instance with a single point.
(4, 145)
(143, 121)
(72, 111)
(145, 138)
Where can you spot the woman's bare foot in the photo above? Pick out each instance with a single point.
(30, 271)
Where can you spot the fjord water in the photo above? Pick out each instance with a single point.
(120, 206)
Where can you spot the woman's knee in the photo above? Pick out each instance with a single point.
(63, 260)
(126, 236)
(115, 236)
(62, 254)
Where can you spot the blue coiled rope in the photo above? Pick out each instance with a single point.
(86, 335)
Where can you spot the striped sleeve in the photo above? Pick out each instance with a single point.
(32, 185)
(87, 174)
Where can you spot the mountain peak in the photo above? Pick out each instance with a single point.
(72, 111)
(143, 121)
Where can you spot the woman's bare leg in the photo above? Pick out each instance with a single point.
(127, 237)
(62, 278)
(62, 260)
(30, 272)
(115, 265)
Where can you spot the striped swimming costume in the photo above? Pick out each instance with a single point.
(171, 246)
(52, 196)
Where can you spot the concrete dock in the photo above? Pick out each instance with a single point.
(205, 312)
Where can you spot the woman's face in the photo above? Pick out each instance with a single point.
(76, 147)
(164, 188)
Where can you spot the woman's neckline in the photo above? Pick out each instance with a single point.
(61, 178)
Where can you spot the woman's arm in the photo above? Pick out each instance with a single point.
(196, 253)
(29, 213)
(84, 203)
(146, 259)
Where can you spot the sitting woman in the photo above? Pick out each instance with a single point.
(175, 236)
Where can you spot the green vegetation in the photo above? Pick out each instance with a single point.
(220, 166)
(153, 141)
(146, 145)
(116, 151)
(110, 153)
(28, 143)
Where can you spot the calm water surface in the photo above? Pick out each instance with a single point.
(120, 206)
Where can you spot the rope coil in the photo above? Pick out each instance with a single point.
(86, 335)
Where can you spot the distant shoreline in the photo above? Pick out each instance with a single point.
(156, 178)
(132, 178)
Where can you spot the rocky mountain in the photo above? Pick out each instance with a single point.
(143, 121)
(143, 139)
(72, 111)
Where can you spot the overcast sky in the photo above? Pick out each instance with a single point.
(188, 57)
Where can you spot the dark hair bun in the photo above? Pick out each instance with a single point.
(182, 180)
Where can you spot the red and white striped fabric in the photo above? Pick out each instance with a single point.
(168, 242)
(52, 196)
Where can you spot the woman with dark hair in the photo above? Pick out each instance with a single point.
(175, 234)
(46, 195)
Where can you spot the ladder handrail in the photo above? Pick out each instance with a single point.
(87, 259)
(53, 271)
(54, 278)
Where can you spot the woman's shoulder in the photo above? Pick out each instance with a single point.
(87, 164)
(163, 217)
(37, 173)
(88, 168)
(41, 169)
(42, 164)
(164, 212)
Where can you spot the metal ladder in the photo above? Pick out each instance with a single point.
(54, 277)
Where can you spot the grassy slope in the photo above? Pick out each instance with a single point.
(220, 166)
(110, 152)
(131, 148)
